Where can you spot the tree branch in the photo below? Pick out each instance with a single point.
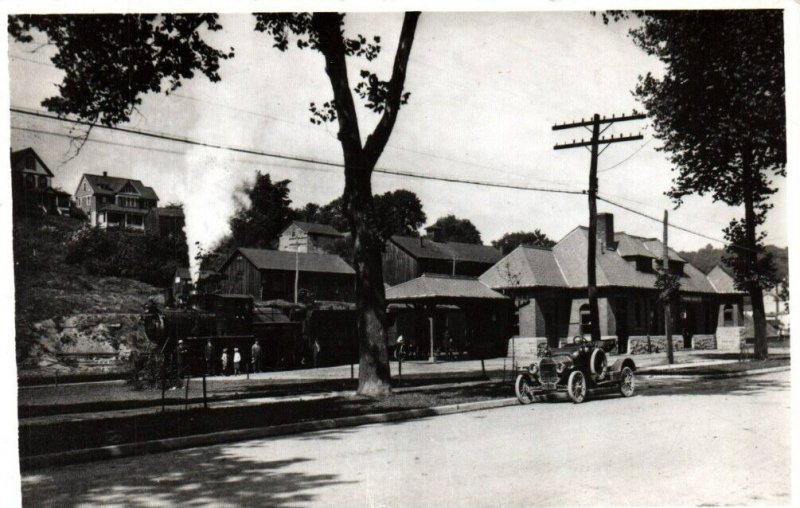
(331, 44)
(376, 142)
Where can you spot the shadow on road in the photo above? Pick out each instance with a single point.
(212, 476)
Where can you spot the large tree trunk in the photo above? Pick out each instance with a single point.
(753, 287)
(374, 378)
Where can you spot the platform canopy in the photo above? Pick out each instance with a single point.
(435, 288)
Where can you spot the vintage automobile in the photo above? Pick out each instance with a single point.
(575, 369)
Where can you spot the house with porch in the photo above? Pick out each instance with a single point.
(32, 185)
(111, 201)
(549, 288)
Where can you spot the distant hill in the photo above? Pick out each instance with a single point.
(708, 257)
(60, 309)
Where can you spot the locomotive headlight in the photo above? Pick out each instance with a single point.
(560, 367)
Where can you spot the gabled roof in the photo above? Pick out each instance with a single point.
(525, 266)
(565, 265)
(722, 280)
(266, 259)
(316, 229)
(21, 154)
(111, 185)
(428, 249)
(441, 287)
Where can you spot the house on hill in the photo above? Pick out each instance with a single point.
(110, 201)
(32, 185)
(308, 237)
(549, 286)
(270, 275)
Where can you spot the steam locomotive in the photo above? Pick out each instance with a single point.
(285, 330)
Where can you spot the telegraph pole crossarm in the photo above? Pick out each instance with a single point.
(594, 145)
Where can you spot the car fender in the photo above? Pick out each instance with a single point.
(621, 363)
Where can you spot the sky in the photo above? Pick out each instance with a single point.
(485, 90)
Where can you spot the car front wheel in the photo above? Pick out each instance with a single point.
(576, 387)
(627, 382)
(523, 387)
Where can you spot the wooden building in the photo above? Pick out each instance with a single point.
(308, 237)
(32, 185)
(270, 275)
(164, 221)
(407, 258)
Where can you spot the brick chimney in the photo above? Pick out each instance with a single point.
(605, 230)
(105, 173)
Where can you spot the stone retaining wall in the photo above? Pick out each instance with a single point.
(637, 344)
(525, 350)
(729, 338)
(704, 342)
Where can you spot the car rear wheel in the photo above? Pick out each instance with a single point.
(576, 387)
(523, 387)
(627, 382)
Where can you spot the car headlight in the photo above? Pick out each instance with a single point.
(560, 367)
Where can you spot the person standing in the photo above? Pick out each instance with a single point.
(315, 349)
(211, 359)
(237, 358)
(255, 356)
(225, 362)
(180, 358)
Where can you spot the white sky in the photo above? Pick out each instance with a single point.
(485, 90)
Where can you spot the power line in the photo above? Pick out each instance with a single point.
(626, 159)
(306, 160)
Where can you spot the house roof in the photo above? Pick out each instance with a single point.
(20, 154)
(565, 266)
(525, 266)
(265, 259)
(111, 185)
(316, 229)
(722, 280)
(441, 287)
(183, 272)
(428, 249)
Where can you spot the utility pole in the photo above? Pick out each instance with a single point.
(668, 303)
(593, 145)
(295, 242)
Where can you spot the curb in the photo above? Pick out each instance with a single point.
(177, 443)
(753, 372)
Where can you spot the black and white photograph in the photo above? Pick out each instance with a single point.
(396, 254)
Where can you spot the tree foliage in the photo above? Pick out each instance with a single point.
(263, 211)
(111, 60)
(452, 229)
(719, 110)
(511, 241)
(117, 252)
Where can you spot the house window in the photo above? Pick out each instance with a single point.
(30, 163)
(586, 320)
(30, 181)
(727, 315)
(127, 202)
(134, 220)
(42, 182)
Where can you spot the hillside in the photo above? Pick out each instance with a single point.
(62, 310)
(708, 257)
